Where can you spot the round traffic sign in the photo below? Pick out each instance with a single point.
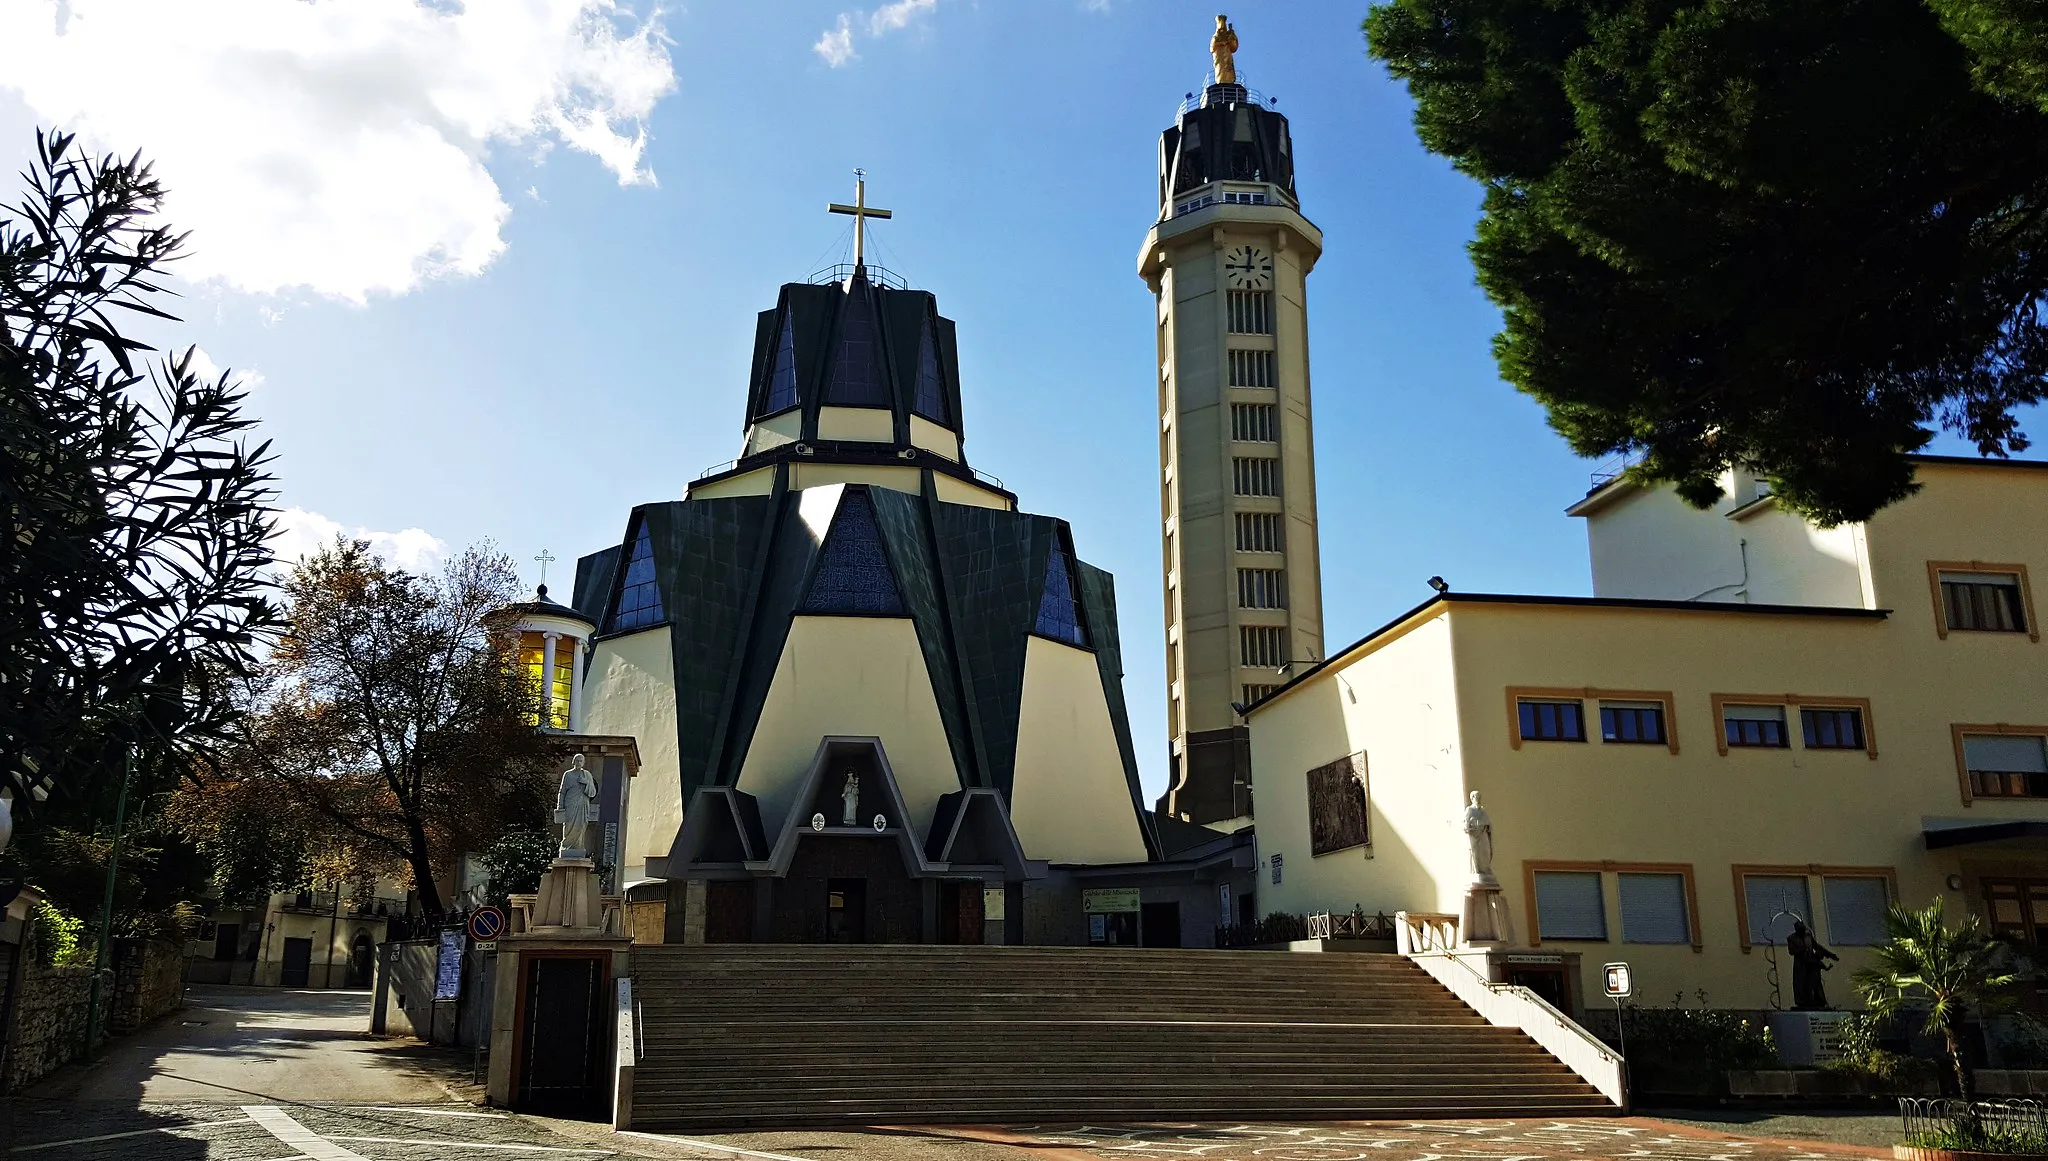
(486, 923)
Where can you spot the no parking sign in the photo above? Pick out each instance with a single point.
(486, 924)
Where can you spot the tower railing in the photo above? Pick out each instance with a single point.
(1226, 94)
(879, 275)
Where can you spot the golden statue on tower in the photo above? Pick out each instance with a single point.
(1223, 47)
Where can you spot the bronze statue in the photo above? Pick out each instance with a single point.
(1223, 47)
(1809, 959)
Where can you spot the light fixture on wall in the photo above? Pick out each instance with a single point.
(1955, 882)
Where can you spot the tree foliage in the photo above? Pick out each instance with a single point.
(1793, 238)
(135, 511)
(392, 715)
(1946, 973)
(517, 861)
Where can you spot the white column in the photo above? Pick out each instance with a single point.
(547, 679)
(576, 687)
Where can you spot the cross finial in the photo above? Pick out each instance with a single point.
(545, 558)
(861, 212)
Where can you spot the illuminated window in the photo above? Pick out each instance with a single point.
(531, 660)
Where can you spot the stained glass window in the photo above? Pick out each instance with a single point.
(782, 379)
(857, 379)
(639, 596)
(853, 571)
(931, 390)
(1059, 612)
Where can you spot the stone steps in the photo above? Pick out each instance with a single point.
(764, 1035)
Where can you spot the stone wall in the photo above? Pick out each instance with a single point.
(149, 980)
(49, 1021)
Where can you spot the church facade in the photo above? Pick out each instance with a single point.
(874, 700)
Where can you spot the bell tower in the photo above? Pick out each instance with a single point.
(1228, 261)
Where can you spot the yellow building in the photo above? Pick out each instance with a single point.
(1752, 719)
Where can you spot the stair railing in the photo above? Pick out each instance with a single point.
(1514, 1006)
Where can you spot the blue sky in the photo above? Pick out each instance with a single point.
(532, 392)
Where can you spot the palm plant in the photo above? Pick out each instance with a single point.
(1950, 972)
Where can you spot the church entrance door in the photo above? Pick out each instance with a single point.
(729, 911)
(1159, 925)
(846, 910)
(960, 911)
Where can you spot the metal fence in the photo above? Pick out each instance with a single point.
(1927, 1116)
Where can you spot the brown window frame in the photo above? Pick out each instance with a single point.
(1956, 731)
(1605, 868)
(1793, 702)
(1936, 567)
(1815, 899)
(1516, 694)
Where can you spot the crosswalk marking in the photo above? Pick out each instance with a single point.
(279, 1124)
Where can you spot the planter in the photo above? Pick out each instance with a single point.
(1915, 1153)
(1815, 1082)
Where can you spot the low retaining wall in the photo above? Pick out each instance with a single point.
(149, 981)
(49, 1022)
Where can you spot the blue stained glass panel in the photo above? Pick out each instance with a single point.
(639, 594)
(1059, 613)
(853, 571)
(782, 379)
(857, 379)
(931, 390)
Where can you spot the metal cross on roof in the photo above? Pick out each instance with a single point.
(545, 558)
(861, 212)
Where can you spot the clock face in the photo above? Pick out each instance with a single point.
(1248, 268)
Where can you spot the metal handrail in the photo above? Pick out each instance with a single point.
(1200, 97)
(841, 271)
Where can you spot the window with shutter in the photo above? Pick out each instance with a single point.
(1772, 901)
(1653, 908)
(2006, 765)
(1570, 905)
(1755, 725)
(1856, 909)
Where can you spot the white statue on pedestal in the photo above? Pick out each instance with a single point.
(1479, 832)
(576, 810)
(851, 797)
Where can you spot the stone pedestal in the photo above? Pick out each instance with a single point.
(1805, 1039)
(569, 897)
(1486, 921)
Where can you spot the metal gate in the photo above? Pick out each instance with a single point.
(562, 1036)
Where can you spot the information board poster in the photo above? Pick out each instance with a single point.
(448, 967)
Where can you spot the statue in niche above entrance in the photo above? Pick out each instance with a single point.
(1809, 959)
(851, 797)
(576, 810)
(1479, 831)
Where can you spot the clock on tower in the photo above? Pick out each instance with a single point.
(1248, 268)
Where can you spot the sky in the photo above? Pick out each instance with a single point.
(492, 271)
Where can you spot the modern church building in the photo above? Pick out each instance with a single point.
(874, 700)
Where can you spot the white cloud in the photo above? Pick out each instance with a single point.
(301, 533)
(339, 145)
(836, 43)
(209, 371)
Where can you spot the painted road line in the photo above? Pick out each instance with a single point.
(445, 1112)
(130, 1133)
(279, 1124)
(735, 1150)
(447, 1144)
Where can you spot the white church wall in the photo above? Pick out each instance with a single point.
(865, 424)
(934, 438)
(759, 482)
(862, 676)
(895, 479)
(1395, 702)
(952, 490)
(1069, 801)
(630, 689)
(1649, 544)
(774, 431)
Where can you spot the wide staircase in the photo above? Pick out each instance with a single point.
(758, 1035)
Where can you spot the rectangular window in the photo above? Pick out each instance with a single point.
(1570, 905)
(1856, 909)
(1832, 729)
(1551, 721)
(1251, 312)
(1983, 602)
(1754, 725)
(1251, 369)
(1653, 908)
(1256, 476)
(1252, 693)
(1337, 806)
(1261, 588)
(1772, 901)
(1260, 532)
(2006, 765)
(1262, 646)
(1632, 721)
(1254, 423)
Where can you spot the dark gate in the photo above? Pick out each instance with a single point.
(729, 911)
(1159, 925)
(298, 961)
(562, 1036)
(361, 961)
